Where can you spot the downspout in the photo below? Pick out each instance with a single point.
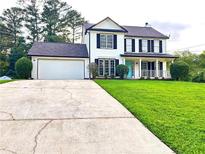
(89, 56)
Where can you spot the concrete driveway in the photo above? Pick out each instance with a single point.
(69, 117)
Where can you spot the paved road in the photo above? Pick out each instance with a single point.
(69, 117)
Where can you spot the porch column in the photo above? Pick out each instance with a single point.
(164, 69)
(157, 68)
(140, 63)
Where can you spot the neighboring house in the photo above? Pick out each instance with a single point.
(142, 49)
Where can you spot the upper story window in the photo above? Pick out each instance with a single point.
(106, 41)
(144, 45)
(150, 46)
(129, 45)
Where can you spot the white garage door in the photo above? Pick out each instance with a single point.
(60, 69)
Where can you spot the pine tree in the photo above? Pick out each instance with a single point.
(6, 38)
(32, 20)
(54, 17)
(12, 19)
(75, 23)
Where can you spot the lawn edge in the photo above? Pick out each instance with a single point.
(6, 81)
(147, 127)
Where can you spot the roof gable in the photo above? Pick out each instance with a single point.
(107, 24)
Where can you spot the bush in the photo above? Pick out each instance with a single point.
(200, 77)
(179, 70)
(11, 73)
(23, 68)
(93, 68)
(122, 71)
(106, 76)
(112, 76)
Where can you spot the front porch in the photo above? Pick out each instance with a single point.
(148, 68)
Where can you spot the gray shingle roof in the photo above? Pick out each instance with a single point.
(144, 32)
(137, 31)
(154, 55)
(58, 50)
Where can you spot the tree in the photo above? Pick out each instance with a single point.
(93, 68)
(23, 68)
(191, 59)
(202, 60)
(6, 38)
(54, 18)
(3, 63)
(75, 23)
(179, 70)
(12, 20)
(20, 50)
(32, 19)
(122, 70)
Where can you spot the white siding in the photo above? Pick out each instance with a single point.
(108, 24)
(106, 53)
(156, 43)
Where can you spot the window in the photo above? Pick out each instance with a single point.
(101, 65)
(106, 66)
(106, 41)
(156, 45)
(144, 45)
(112, 67)
(129, 45)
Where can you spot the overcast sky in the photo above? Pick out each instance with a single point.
(183, 20)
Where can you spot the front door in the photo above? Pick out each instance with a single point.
(130, 65)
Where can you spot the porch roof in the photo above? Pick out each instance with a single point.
(153, 55)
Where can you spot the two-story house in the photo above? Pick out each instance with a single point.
(108, 44)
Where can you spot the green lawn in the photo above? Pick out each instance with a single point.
(5, 81)
(173, 111)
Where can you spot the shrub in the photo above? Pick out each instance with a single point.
(112, 76)
(179, 70)
(11, 73)
(122, 71)
(93, 68)
(106, 76)
(199, 77)
(23, 68)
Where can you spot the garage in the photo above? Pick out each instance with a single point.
(60, 69)
(59, 61)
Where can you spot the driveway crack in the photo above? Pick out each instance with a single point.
(10, 114)
(7, 150)
(38, 134)
(71, 97)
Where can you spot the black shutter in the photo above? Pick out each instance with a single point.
(148, 45)
(96, 61)
(140, 45)
(152, 45)
(149, 65)
(98, 40)
(116, 63)
(125, 44)
(160, 46)
(133, 45)
(153, 63)
(115, 41)
(160, 66)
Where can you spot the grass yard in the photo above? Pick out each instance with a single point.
(173, 111)
(5, 81)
